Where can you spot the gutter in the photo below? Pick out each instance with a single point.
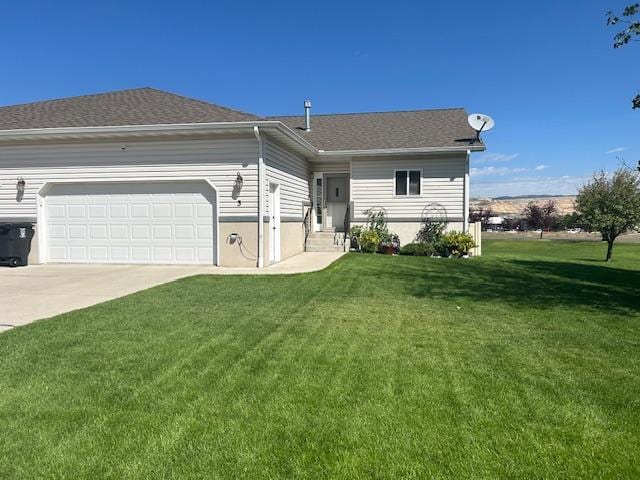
(140, 130)
(261, 185)
(400, 151)
(465, 208)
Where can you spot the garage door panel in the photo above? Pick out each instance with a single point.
(118, 210)
(119, 232)
(140, 232)
(139, 210)
(98, 211)
(98, 232)
(77, 232)
(162, 223)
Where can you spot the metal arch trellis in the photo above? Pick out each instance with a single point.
(434, 212)
(374, 211)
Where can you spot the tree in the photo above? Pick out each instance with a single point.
(480, 214)
(540, 216)
(611, 205)
(570, 220)
(628, 34)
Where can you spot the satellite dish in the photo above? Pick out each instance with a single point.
(480, 123)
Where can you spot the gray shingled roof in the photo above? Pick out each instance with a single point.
(442, 128)
(385, 130)
(139, 106)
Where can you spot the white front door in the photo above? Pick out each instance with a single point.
(274, 223)
(160, 222)
(336, 195)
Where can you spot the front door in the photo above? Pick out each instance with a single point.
(336, 195)
(274, 223)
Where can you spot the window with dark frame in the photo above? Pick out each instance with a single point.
(408, 182)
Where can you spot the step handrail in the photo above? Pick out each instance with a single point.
(307, 226)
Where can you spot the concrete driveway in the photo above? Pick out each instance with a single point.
(42, 291)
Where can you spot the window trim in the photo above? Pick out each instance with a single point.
(407, 194)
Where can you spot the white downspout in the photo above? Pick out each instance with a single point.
(256, 132)
(466, 194)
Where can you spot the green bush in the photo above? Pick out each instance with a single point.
(418, 249)
(355, 231)
(456, 243)
(369, 241)
(375, 236)
(430, 232)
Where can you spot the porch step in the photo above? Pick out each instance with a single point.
(325, 242)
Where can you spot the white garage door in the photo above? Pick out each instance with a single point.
(164, 222)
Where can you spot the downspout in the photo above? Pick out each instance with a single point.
(466, 194)
(256, 132)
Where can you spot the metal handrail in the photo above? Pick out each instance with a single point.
(307, 226)
(347, 222)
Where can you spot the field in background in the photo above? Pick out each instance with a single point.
(583, 236)
(510, 206)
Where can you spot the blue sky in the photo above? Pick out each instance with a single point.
(546, 70)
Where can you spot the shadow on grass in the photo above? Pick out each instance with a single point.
(527, 283)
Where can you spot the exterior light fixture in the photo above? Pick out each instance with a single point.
(20, 184)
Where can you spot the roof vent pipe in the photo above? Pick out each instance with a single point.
(307, 115)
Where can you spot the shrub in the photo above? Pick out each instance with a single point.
(390, 244)
(378, 224)
(375, 236)
(431, 232)
(369, 241)
(456, 243)
(418, 249)
(354, 236)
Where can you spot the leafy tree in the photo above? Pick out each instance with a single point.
(611, 205)
(570, 220)
(628, 34)
(540, 216)
(480, 214)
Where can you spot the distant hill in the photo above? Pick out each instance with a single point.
(530, 196)
(513, 206)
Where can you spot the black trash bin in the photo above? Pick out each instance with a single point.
(15, 243)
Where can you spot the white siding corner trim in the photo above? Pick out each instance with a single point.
(47, 186)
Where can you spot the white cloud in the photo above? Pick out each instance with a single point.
(564, 185)
(539, 168)
(495, 157)
(616, 150)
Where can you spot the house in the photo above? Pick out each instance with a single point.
(146, 176)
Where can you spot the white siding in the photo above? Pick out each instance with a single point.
(292, 173)
(334, 167)
(218, 160)
(372, 185)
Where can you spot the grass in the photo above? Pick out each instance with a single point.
(524, 363)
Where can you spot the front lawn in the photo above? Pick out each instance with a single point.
(524, 363)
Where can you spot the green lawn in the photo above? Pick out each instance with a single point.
(524, 363)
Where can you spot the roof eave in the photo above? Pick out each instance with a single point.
(275, 126)
(401, 151)
(120, 131)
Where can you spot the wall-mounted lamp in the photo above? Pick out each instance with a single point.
(20, 189)
(237, 187)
